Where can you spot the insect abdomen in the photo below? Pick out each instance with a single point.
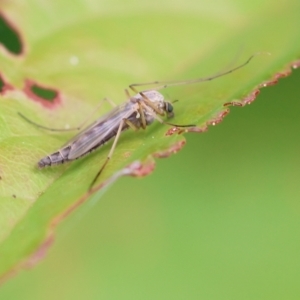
(55, 158)
(62, 155)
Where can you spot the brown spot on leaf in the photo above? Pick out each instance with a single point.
(127, 154)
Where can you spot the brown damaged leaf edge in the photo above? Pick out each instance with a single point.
(172, 150)
(34, 91)
(139, 169)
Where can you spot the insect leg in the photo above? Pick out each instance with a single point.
(149, 103)
(112, 103)
(127, 94)
(131, 125)
(112, 149)
(157, 85)
(72, 128)
(132, 87)
(142, 115)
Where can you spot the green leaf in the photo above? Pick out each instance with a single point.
(78, 53)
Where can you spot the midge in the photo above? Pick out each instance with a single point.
(137, 112)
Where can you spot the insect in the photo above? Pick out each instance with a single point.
(139, 111)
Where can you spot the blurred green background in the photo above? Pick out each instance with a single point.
(218, 220)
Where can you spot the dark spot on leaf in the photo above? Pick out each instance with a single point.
(9, 37)
(48, 97)
(14, 196)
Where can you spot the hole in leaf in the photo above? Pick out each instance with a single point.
(9, 37)
(44, 93)
(2, 84)
(48, 97)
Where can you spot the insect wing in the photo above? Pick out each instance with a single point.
(98, 131)
(100, 120)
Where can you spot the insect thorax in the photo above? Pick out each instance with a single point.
(154, 96)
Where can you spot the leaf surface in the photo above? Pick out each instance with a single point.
(85, 51)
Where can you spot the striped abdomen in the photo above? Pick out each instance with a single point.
(62, 155)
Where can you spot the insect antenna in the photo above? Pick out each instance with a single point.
(165, 84)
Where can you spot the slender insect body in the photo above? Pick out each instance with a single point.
(138, 112)
(105, 128)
